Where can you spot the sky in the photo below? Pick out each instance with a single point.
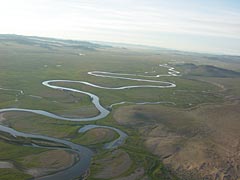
(211, 26)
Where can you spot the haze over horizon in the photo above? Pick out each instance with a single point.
(191, 25)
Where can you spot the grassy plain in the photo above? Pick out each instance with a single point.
(158, 134)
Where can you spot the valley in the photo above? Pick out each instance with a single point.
(115, 113)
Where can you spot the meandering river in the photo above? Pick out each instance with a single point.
(85, 154)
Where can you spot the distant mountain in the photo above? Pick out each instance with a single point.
(207, 71)
(50, 42)
(94, 45)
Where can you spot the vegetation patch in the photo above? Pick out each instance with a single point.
(96, 136)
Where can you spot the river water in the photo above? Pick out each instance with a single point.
(84, 153)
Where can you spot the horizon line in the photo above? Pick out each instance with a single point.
(147, 46)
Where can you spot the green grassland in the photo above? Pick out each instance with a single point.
(24, 67)
(9, 174)
(14, 153)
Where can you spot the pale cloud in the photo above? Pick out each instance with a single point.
(135, 21)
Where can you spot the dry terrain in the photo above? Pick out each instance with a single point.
(48, 162)
(202, 142)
